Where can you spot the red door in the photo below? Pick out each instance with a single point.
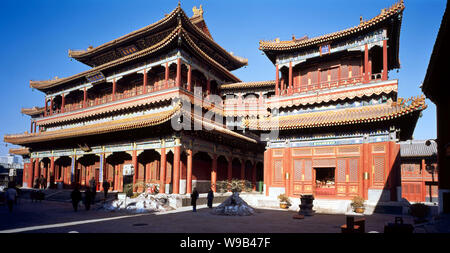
(412, 191)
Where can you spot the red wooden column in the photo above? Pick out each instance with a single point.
(176, 170)
(36, 169)
(114, 90)
(366, 170)
(267, 163)
(51, 106)
(46, 107)
(63, 102)
(162, 173)
(290, 78)
(282, 86)
(214, 173)
(422, 183)
(84, 98)
(166, 77)
(254, 176)
(189, 78)
(230, 168)
(277, 79)
(208, 86)
(384, 75)
(366, 63)
(243, 170)
(52, 168)
(135, 165)
(144, 86)
(178, 81)
(189, 172)
(35, 125)
(31, 126)
(28, 173)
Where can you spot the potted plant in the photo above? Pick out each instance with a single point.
(285, 202)
(358, 204)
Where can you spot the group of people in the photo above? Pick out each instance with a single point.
(40, 182)
(89, 194)
(195, 195)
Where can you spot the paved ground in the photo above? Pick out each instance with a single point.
(59, 217)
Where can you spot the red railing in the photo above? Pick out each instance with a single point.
(324, 85)
(135, 91)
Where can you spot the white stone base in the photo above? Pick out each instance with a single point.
(378, 195)
(275, 191)
(183, 186)
(168, 188)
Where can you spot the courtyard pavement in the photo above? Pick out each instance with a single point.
(59, 217)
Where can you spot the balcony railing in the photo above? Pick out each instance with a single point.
(324, 85)
(136, 91)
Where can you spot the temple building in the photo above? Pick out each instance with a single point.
(329, 124)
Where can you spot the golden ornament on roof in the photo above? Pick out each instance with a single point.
(197, 12)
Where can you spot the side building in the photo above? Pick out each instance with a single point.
(337, 113)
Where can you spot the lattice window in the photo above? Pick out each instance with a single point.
(298, 169)
(278, 170)
(348, 150)
(411, 168)
(278, 152)
(299, 152)
(378, 163)
(324, 151)
(405, 189)
(324, 162)
(334, 73)
(340, 170)
(378, 149)
(308, 170)
(353, 170)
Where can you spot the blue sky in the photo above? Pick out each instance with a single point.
(36, 36)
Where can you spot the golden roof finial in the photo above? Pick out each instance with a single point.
(197, 12)
(361, 19)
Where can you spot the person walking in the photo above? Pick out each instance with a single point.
(106, 186)
(41, 182)
(93, 186)
(87, 198)
(210, 198)
(76, 198)
(194, 197)
(11, 195)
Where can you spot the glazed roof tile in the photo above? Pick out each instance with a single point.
(239, 61)
(339, 116)
(332, 95)
(417, 148)
(246, 85)
(296, 44)
(178, 31)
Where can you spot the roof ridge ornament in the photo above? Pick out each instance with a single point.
(197, 12)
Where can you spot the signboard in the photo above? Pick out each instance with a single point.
(128, 169)
(12, 172)
(324, 49)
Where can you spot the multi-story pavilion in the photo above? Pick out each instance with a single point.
(121, 112)
(327, 125)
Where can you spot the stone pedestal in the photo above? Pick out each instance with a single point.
(306, 205)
